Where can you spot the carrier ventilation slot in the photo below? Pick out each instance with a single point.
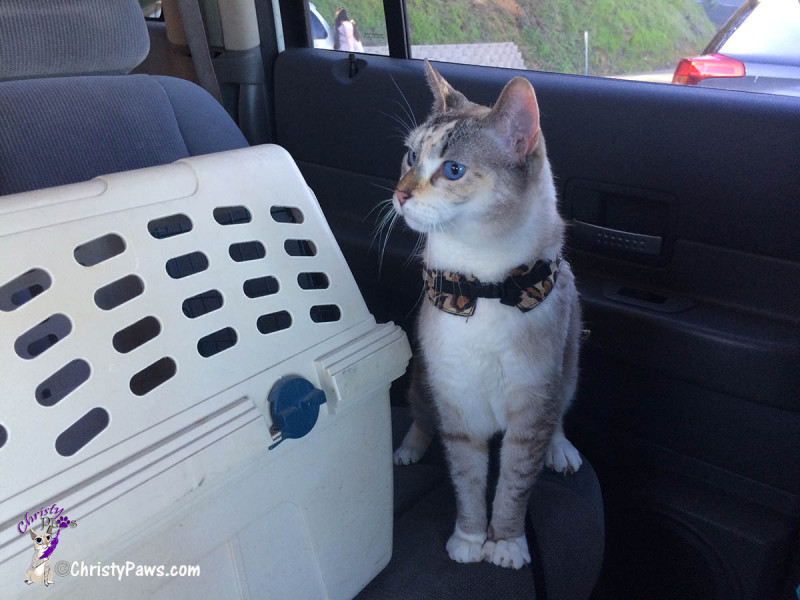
(325, 313)
(201, 304)
(167, 227)
(300, 248)
(313, 281)
(43, 336)
(23, 289)
(261, 286)
(149, 378)
(63, 382)
(232, 215)
(274, 322)
(286, 214)
(81, 432)
(188, 264)
(244, 251)
(217, 342)
(135, 335)
(99, 250)
(119, 292)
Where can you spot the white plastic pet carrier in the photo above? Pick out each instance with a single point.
(188, 370)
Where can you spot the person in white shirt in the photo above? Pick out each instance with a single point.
(345, 33)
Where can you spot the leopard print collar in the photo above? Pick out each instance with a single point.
(525, 287)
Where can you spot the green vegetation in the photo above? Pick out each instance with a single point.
(625, 36)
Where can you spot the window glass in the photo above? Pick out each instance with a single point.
(358, 26)
(599, 37)
(754, 46)
(771, 31)
(663, 41)
(151, 9)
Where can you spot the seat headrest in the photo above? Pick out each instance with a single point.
(47, 38)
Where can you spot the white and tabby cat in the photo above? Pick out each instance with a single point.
(501, 357)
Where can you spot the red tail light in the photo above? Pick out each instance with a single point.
(691, 71)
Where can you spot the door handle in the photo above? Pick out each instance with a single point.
(614, 239)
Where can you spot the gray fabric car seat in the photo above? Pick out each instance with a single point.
(69, 112)
(566, 537)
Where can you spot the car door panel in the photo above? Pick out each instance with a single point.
(690, 388)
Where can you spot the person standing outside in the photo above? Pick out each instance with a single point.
(345, 33)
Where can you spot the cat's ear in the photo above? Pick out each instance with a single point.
(445, 97)
(515, 118)
(33, 533)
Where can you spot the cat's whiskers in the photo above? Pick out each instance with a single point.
(380, 205)
(384, 217)
(407, 108)
(406, 128)
(392, 221)
(415, 252)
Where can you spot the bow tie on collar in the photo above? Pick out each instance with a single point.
(526, 287)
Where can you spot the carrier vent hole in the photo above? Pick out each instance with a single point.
(274, 322)
(187, 264)
(118, 292)
(149, 378)
(23, 289)
(43, 336)
(82, 431)
(325, 313)
(232, 215)
(217, 342)
(261, 286)
(169, 226)
(99, 250)
(135, 335)
(244, 251)
(286, 214)
(300, 248)
(313, 281)
(63, 382)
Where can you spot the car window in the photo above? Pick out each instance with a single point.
(151, 9)
(771, 30)
(358, 26)
(663, 41)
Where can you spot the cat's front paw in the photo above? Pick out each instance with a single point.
(465, 547)
(562, 456)
(512, 553)
(414, 445)
(406, 455)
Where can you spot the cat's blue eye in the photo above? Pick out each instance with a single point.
(453, 170)
(412, 157)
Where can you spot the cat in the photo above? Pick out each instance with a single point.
(499, 346)
(40, 571)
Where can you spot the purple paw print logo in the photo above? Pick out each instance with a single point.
(62, 522)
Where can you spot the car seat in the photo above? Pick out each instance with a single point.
(69, 112)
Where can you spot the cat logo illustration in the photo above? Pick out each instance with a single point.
(44, 544)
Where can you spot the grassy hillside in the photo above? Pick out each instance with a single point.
(625, 36)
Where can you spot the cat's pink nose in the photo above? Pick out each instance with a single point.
(402, 196)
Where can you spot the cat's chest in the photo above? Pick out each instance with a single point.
(497, 346)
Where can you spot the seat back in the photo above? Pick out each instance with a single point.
(69, 111)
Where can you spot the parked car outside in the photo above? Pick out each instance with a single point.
(320, 30)
(757, 50)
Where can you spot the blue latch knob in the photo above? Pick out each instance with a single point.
(294, 406)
